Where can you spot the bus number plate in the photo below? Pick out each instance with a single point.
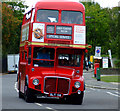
(55, 95)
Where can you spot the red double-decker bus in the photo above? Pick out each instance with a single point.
(52, 48)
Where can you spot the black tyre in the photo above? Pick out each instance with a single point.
(29, 97)
(20, 93)
(78, 98)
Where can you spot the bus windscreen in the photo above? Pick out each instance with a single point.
(72, 17)
(70, 60)
(43, 57)
(47, 15)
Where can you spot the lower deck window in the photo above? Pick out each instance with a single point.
(69, 60)
(43, 57)
(37, 63)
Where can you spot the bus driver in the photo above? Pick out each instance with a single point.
(43, 55)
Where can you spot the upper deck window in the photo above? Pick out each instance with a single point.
(47, 15)
(72, 17)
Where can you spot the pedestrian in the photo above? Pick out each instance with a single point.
(87, 64)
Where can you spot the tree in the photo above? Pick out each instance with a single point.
(114, 31)
(11, 23)
(0, 30)
(18, 8)
(118, 49)
(102, 27)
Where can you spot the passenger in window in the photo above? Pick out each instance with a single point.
(78, 20)
(77, 64)
(43, 55)
(43, 18)
(71, 62)
(62, 62)
(66, 19)
(66, 62)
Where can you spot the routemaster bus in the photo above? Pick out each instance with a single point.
(52, 48)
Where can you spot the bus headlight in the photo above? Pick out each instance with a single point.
(35, 81)
(77, 84)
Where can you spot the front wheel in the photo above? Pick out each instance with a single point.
(20, 93)
(29, 97)
(78, 98)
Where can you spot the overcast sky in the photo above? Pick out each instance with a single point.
(103, 3)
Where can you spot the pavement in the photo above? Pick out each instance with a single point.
(93, 83)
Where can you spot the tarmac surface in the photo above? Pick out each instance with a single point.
(94, 99)
(93, 83)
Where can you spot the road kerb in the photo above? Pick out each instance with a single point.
(99, 87)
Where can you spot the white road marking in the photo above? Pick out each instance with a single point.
(92, 89)
(16, 87)
(35, 103)
(38, 104)
(45, 107)
(117, 92)
(113, 94)
(49, 108)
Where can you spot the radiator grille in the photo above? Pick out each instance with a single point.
(56, 85)
(63, 86)
(50, 85)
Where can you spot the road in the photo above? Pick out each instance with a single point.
(93, 99)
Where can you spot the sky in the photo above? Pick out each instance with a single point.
(103, 3)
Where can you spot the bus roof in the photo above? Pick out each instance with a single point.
(60, 5)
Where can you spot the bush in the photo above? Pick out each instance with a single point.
(117, 63)
(104, 55)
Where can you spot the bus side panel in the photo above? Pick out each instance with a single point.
(82, 59)
(22, 78)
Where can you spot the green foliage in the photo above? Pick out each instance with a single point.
(117, 63)
(102, 28)
(18, 8)
(11, 26)
(0, 30)
(105, 55)
(110, 78)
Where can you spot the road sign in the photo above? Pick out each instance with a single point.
(98, 51)
(105, 62)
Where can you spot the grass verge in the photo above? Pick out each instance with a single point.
(110, 78)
